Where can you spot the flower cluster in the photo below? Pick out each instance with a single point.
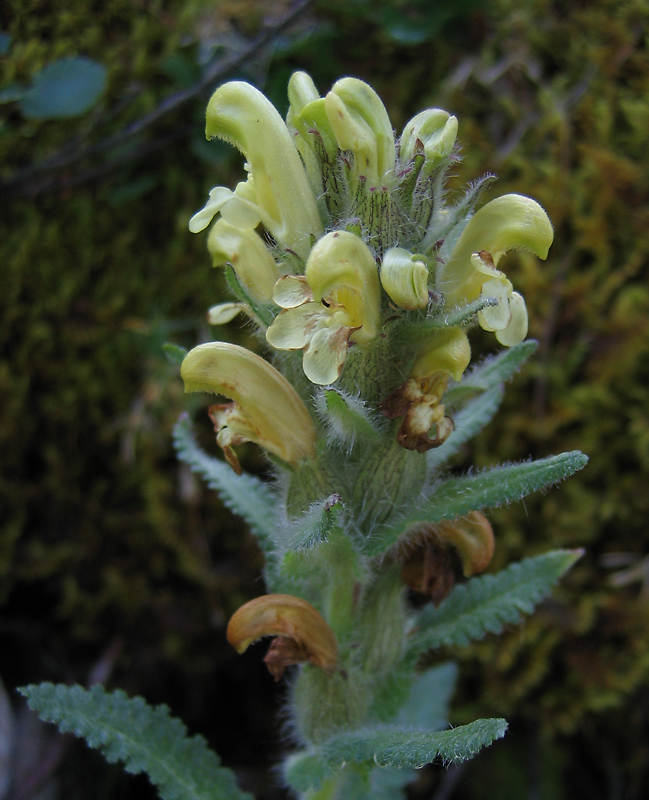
(345, 255)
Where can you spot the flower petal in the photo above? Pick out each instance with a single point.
(325, 355)
(516, 331)
(218, 197)
(498, 317)
(293, 328)
(291, 291)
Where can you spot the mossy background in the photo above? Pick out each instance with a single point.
(111, 554)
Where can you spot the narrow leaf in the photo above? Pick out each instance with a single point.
(500, 368)
(457, 496)
(247, 496)
(468, 422)
(389, 745)
(485, 604)
(145, 738)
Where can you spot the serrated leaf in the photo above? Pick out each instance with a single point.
(500, 368)
(247, 496)
(67, 88)
(494, 487)
(485, 604)
(389, 745)
(468, 422)
(144, 738)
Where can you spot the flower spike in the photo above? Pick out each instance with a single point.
(266, 409)
(241, 115)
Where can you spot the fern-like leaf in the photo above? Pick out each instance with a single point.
(247, 496)
(485, 604)
(389, 745)
(145, 738)
(494, 487)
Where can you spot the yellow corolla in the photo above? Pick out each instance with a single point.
(266, 409)
(470, 272)
(336, 302)
(277, 192)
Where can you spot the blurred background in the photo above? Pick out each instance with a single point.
(115, 563)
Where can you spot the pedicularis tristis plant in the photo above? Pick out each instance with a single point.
(363, 285)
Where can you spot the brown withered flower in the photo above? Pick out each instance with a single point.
(419, 399)
(302, 633)
(436, 553)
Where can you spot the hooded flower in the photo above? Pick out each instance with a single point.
(302, 632)
(418, 400)
(266, 409)
(335, 302)
(431, 556)
(277, 192)
(404, 277)
(470, 272)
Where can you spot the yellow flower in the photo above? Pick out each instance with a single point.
(335, 302)
(245, 250)
(277, 191)
(303, 634)
(361, 124)
(418, 400)
(507, 223)
(266, 409)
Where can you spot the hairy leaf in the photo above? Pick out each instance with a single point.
(494, 487)
(389, 745)
(497, 369)
(247, 496)
(145, 738)
(485, 604)
(468, 422)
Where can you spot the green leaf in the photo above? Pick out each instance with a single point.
(500, 368)
(485, 604)
(468, 422)
(263, 314)
(248, 497)
(314, 525)
(427, 705)
(145, 738)
(66, 88)
(174, 352)
(389, 745)
(345, 416)
(494, 487)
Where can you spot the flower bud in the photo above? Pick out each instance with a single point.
(405, 278)
(303, 633)
(361, 124)
(241, 115)
(266, 408)
(246, 252)
(307, 112)
(436, 130)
